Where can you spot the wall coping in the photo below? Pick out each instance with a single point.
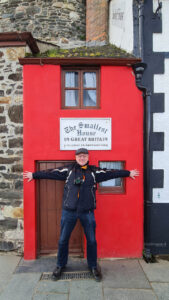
(17, 39)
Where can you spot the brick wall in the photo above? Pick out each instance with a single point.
(96, 20)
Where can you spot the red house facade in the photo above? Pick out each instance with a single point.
(119, 212)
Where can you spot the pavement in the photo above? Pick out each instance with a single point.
(123, 279)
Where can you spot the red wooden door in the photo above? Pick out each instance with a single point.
(49, 208)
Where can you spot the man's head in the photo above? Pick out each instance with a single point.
(82, 156)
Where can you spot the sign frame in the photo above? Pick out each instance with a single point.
(97, 130)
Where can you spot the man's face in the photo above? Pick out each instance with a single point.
(82, 159)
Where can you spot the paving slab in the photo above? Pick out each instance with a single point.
(125, 273)
(20, 287)
(158, 271)
(47, 286)
(128, 294)
(85, 290)
(51, 297)
(161, 290)
(42, 264)
(8, 264)
(47, 264)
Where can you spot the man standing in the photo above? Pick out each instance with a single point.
(79, 202)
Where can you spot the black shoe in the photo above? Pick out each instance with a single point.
(57, 273)
(96, 274)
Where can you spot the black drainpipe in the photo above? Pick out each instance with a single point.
(139, 70)
(141, 23)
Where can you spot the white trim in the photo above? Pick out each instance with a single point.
(68, 176)
(60, 170)
(93, 177)
(101, 171)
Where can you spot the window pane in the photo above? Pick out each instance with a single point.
(71, 79)
(89, 79)
(71, 98)
(89, 97)
(112, 165)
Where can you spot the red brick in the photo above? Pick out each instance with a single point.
(96, 20)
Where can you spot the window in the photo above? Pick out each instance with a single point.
(116, 185)
(80, 88)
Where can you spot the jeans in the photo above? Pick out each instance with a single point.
(68, 222)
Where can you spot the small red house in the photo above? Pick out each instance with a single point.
(59, 95)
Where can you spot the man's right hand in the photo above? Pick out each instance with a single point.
(28, 175)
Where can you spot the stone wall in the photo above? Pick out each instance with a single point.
(50, 20)
(63, 24)
(11, 152)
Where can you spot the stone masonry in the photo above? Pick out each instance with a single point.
(55, 21)
(11, 152)
(58, 22)
(61, 23)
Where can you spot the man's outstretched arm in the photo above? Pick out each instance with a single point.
(56, 174)
(106, 174)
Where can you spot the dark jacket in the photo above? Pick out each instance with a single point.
(80, 184)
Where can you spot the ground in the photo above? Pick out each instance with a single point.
(122, 279)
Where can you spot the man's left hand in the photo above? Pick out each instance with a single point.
(134, 173)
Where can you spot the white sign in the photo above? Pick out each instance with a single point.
(90, 133)
(118, 14)
(121, 24)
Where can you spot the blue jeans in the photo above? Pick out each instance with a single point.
(68, 222)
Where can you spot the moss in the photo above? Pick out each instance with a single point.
(52, 55)
(101, 51)
(82, 37)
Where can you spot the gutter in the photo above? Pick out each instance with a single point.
(80, 61)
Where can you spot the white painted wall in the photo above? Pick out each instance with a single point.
(161, 124)
(121, 24)
(161, 120)
(161, 40)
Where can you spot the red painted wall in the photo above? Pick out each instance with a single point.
(119, 217)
